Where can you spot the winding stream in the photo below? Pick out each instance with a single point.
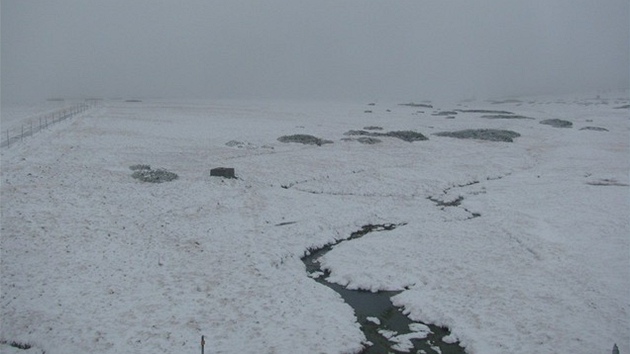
(386, 328)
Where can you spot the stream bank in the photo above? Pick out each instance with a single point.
(386, 328)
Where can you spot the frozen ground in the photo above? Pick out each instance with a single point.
(534, 259)
(15, 115)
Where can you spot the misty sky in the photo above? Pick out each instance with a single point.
(308, 49)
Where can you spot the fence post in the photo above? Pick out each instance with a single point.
(203, 343)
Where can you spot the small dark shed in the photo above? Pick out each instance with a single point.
(226, 172)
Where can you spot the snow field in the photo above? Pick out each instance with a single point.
(93, 260)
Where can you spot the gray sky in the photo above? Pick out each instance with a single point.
(308, 49)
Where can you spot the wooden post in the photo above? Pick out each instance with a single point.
(203, 343)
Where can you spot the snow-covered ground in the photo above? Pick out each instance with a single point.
(96, 261)
(20, 120)
(14, 115)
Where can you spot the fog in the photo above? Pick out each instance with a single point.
(298, 49)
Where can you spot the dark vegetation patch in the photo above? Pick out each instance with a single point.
(373, 127)
(18, 345)
(406, 135)
(607, 182)
(139, 167)
(235, 143)
(511, 100)
(145, 174)
(482, 134)
(557, 123)
(133, 101)
(598, 129)
(286, 223)
(627, 106)
(483, 111)
(411, 104)
(303, 139)
(505, 116)
(444, 113)
(368, 140)
(452, 203)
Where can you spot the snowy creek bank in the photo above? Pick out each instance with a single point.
(385, 326)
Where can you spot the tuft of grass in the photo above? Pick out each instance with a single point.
(139, 167)
(368, 140)
(303, 139)
(505, 116)
(444, 113)
(484, 111)
(482, 134)
(18, 345)
(406, 135)
(159, 175)
(411, 104)
(557, 123)
(598, 129)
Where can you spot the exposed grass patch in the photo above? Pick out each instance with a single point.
(557, 123)
(510, 100)
(303, 139)
(607, 182)
(483, 111)
(18, 345)
(444, 113)
(482, 134)
(406, 135)
(505, 116)
(139, 167)
(368, 140)
(598, 129)
(411, 104)
(144, 173)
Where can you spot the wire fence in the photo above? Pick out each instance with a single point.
(14, 135)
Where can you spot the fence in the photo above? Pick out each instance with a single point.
(17, 134)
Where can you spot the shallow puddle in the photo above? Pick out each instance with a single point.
(384, 325)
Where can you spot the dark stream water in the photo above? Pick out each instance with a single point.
(368, 306)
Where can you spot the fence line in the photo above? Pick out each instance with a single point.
(12, 136)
